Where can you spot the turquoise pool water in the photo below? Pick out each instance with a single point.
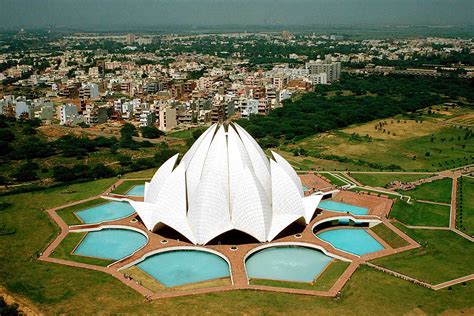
(110, 243)
(305, 188)
(298, 264)
(353, 240)
(136, 190)
(105, 212)
(343, 207)
(180, 267)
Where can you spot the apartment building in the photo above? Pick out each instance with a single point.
(167, 118)
(332, 69)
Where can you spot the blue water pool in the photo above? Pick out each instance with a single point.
(136, 190)
(343, 207)
(305, 188)
(105, 212)
(110, 243)
(353, 240)
(180, 267)
(298, 264)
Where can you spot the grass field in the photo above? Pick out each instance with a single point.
(389, 236)
(436, 191)
(188, 133)
(444, 256)
(383, 179)
(67, 245)
(428, 146)
(323, 283)
(467, 202)
(68, 216)
(306, 163)
(143, 174)
(421, 214)
(59, 289)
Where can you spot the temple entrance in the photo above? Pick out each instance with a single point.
(233, 237)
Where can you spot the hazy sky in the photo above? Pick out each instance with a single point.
(109, 14)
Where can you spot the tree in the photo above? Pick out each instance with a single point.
(198, 132)
(63, 174)
(164, 154)
(124, 160)
(32, 147)
(151, 132)
(101, 171)
(6, 135)
(8, 309)
(26, 172)
(128, 131)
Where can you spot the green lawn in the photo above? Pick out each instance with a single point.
(126, 186)
(68, 216)
(359, 189)
(436, 191)
(444, 256)
(188, 133)
(383, 179)
(333, 179)
(59, 289)
(421, 214)
(389, 236)
(67, 245)
(323, 283)
(143, 174)
(465, 207)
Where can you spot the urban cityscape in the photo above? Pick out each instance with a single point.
(253, 164)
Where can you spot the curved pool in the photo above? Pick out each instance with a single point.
(353, 240)
(105, 212)
(136, 190)
(343, 207)
(287, 263)
(112, 244)
(179, 267)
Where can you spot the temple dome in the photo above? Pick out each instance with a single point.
(225, 181)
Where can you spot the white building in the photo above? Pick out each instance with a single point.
(332, 69)
(68, 114)
(248, 107)
(22, 108)
(321, 78)
(225, 182)
(147, 118)
(89, 91)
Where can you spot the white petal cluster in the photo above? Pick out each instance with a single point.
(224, 182)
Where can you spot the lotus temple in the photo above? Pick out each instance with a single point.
(226, 215)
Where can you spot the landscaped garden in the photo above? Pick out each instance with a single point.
(61, 289)
(444, 255)
(389, 236)
(436, 191)
(420, 214)
(383, 179)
